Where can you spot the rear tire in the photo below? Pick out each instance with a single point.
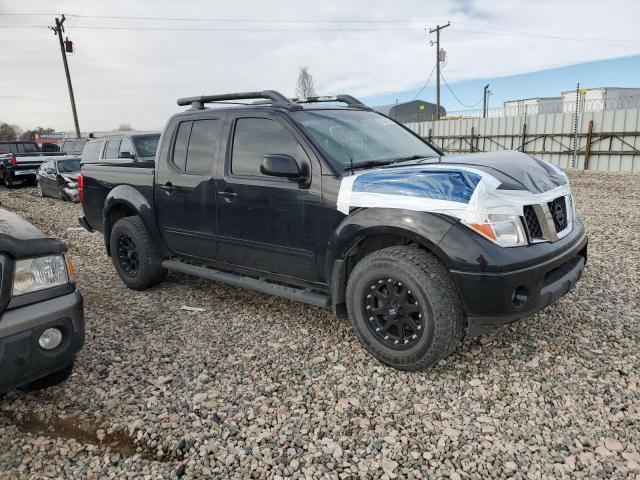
(405, 308)
(50, 380)
(134, 255)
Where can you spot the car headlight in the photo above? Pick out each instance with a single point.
(72, 184)
(40, 273)
(505, 230)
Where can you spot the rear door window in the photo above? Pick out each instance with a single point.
(179, 158)
(5, 148)
(202, 143)
(91, 151)
(113, 147)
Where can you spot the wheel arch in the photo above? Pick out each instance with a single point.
(125, 201)
(368, 230)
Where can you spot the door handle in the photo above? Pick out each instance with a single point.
(168, 187)
(228, 195)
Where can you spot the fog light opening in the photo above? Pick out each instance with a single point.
(51, 338)
(520, 296)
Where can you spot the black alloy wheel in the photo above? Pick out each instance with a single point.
(394, 315)
(128, 255)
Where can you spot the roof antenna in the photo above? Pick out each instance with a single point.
(351, 159)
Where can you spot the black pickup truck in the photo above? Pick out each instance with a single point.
(20, 160)
(341, 207)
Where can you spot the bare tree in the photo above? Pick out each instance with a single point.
(7, 132)
(124, 127)
(305, 86)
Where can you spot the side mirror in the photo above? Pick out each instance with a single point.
(285, 166)
(49, 170)
(128, 155)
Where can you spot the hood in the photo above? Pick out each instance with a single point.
(20, 238)
(71, 176)
(514, 170)
(468, 187)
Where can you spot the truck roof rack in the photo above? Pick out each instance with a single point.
(348, 99)
(275, 98)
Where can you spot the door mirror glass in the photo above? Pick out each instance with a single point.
(126, 155)
(281, 166)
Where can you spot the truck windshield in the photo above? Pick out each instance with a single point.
(146, 145)
(361, 137)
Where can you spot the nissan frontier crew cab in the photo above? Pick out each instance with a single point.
(341, 207)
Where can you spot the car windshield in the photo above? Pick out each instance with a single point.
(360, 137)
(69, 166)
(146, 145)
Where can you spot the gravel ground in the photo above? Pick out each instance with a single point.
(256, 386)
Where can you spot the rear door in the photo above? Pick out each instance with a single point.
(185, 190)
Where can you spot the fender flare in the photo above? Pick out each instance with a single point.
(424, 228)
(132, 199)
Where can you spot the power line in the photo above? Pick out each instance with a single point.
(223, 29)
(425, 83)
(456, 97)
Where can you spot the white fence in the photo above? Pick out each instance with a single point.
(607, 140)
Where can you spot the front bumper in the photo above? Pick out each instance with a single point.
(497, 298)
(22, 360)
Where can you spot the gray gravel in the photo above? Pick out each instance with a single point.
(256, 386)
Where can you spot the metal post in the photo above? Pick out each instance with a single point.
(587, 148)
(485, 101)
(437, 30)
(575, 128)
(524, 136)
(58, 29)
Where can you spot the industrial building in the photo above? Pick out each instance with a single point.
(413, 111)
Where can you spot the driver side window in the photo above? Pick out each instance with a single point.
(256, 137)
(125, 148)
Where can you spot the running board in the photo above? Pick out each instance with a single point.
(300, 295)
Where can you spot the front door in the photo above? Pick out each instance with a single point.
(185, 190)
(262, 219)
(47, 179)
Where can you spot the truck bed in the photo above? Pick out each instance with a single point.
(100, 178)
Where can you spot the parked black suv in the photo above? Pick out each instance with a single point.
(341, 207)
(41, 312)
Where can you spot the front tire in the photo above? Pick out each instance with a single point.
(405, 308)
(134, 255)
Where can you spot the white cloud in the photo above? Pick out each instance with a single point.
(135, 76)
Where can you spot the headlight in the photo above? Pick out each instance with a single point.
(39, 273)
(505, 230)
(72, 184)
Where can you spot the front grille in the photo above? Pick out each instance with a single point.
(558, 209)
(533, 224)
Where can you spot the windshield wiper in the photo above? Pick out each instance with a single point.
(368, 164)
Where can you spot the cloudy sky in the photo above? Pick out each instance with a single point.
(134, 59)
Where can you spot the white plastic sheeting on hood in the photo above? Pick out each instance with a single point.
(463, 192)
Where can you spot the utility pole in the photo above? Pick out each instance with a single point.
(485, 101)
(437, 30)
(58, 30)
